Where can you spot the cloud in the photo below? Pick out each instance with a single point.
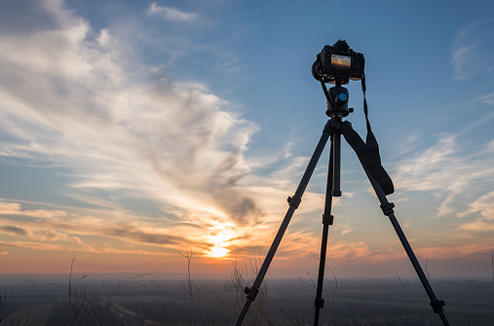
(68, 101)
(487, 99)
(89, 233)
(449, 169)
(33, 245)
(16, 209)
(171, 13)
(72, 228)
(478, 225)
(72, 100)
(469, 55)
(482, 248)
(484, 205)
(8, 229)
(77, 101)
(462, 61)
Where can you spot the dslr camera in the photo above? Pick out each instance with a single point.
(338, 64)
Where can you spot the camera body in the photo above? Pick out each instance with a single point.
(338, 64)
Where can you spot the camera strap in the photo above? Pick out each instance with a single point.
(368, 157)
(370, 139)
(372, 159)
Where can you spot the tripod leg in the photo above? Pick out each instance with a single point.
(387, 207)
(327, 220)
(294, 202)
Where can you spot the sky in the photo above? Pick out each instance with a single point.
(135, 134)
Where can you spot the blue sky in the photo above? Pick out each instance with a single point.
(133, 131)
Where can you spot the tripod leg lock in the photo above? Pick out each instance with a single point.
(294, 201)
(327, 219)
(437, 306)
(251, 293)
(319, 303)
(388, 208)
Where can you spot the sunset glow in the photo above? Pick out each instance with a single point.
(218, 252)
(223, 234)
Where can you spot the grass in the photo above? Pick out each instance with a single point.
(144, 300)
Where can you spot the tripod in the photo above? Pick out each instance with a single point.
(381, 183)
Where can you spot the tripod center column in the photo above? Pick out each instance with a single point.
(336, 157)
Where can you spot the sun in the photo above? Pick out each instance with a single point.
(220, 239)
(218, 252)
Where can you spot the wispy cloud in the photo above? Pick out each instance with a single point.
(450, 169)
(469, 56)
(487, 99)
(483, 224)
(13, 230)
(72, 229)
(71, 99)
(171, 13)
(74, 105)
(463, 60)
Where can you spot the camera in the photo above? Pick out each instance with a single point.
(338, 64)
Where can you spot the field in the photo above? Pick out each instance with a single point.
(152, 300)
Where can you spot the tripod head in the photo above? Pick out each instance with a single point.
(337, 101)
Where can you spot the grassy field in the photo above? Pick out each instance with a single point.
(151, 300)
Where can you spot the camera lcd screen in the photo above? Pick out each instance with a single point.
(341, 63)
